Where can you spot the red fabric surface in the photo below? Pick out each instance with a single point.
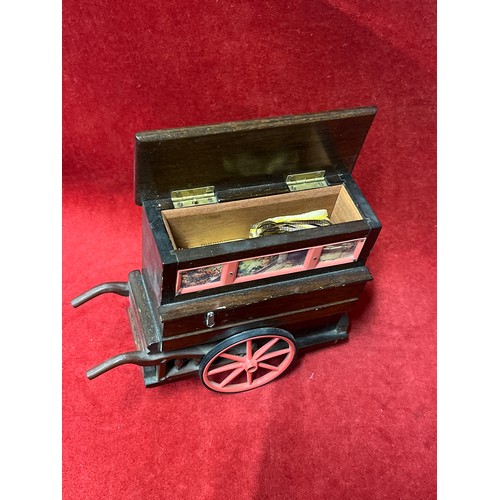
(352, 421)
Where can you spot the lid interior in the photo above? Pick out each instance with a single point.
(248, 153)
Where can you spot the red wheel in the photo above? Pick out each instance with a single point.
(248, 360)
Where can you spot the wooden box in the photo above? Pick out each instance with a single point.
(203, 279)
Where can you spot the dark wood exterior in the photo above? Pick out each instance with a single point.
(161, 262)
(293, 301)
(172, 159)
(248, 158)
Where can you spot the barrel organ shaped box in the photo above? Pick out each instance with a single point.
(202, 189)
(254, 234)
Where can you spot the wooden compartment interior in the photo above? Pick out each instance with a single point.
(209, 224)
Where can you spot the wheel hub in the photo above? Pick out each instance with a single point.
(250, 365)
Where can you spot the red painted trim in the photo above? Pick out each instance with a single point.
(312, 258)
(229, 272)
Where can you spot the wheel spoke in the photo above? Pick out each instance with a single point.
(224, 368)
(249, 349)
(232, 357)
(274, 354)
(265, 348)
(231, 377)
(269, 367)
(249, 378)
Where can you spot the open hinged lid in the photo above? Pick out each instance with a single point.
(249, 158)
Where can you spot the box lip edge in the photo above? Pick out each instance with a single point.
(252, 124)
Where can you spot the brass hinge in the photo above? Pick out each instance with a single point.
(182, 198)
(307, 180)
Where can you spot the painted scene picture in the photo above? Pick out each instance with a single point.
(343, 250)
(271, 263)
(201, 276)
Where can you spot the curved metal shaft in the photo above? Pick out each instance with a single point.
(118, 287)
(142, 358)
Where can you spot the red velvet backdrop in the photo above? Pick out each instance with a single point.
(353, 421)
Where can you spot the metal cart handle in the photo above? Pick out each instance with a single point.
(143, 358)
(140, 358)
(118, 287)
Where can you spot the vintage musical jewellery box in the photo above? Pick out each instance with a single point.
(216, 299)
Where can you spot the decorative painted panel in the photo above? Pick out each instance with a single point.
(227, 273)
